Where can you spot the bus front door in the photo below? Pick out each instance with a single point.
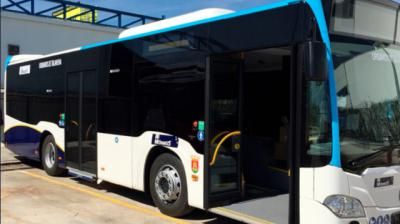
(80, 125)
(247, 140)
(224, 139)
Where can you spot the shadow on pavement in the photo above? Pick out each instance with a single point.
(141, 197)
(144, 198)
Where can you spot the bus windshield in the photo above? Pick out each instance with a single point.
(366, 60)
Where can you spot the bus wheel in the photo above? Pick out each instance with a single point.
(49, 157)
(168, 186)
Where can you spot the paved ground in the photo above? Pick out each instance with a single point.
(29, 196)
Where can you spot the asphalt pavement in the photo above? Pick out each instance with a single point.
(29, 196)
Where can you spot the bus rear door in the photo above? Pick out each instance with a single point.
(80, 121)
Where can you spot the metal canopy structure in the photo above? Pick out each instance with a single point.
(66, 10)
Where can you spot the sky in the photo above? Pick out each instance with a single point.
(171, 8)
(154, 8)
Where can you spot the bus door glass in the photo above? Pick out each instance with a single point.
(249, 121)
(224, 128)
(80, 121)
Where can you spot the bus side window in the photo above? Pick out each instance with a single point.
(169, 83)
(116, 101)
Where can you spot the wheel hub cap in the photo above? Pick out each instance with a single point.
(50, 158)
(168, 184)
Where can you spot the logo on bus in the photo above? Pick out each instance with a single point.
(165, 140)
(25, 70)
(195, 164)
(384, 181)
(49, 64)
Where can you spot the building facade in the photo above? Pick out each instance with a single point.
(26, 34)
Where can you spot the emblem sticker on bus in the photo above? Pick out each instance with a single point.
(25, 70)
(195, 164)
(165, 140)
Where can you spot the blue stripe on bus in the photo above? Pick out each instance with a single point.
(185, 25)
(61, 158)
(318, 11)
(23, 141)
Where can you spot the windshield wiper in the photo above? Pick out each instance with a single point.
(357, 162)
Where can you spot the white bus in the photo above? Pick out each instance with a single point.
(284, 113)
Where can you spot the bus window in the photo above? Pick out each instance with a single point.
(318, 126)
(116, 102)
(169, 87)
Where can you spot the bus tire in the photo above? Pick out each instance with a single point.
(168, 186)
(49, 157)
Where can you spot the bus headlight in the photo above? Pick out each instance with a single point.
(345, 206)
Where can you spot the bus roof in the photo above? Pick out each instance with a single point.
(175, 21)
(24, 57)
(180, 22)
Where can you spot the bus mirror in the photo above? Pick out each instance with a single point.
(315, 65)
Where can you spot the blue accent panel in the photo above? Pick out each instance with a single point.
(23, 141)
(8, 59)
(217, 18)
(316, 7)
(60, 153)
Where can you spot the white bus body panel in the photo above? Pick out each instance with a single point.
(331, 180)
(315, 185)
(122, 160)
(363, 187)
(114, 159)
(313, 212)
(306, 183)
